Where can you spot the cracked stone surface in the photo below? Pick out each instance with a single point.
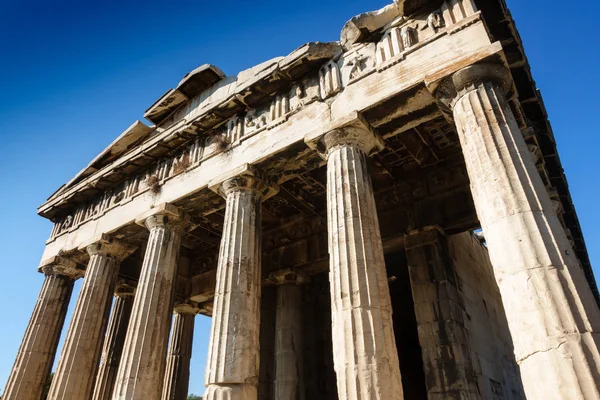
(289, 380)
(177, 377)
(113, 344)
(364, 348)
(551, 312)
(36, 354)
(232, 369)
(78, 364)
(141, 371)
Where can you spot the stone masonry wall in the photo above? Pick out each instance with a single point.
(492, 348)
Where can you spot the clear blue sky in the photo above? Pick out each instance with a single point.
(75, 74)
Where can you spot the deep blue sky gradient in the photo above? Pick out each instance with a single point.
(75, 74)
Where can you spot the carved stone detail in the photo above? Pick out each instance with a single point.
(409, 37)
(329, 79)
(435, 21)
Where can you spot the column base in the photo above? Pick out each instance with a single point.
(231, 392)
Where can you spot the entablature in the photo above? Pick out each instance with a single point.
(356, 81)
(384, 76)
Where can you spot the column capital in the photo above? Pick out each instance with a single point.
(163, 215)
(467, 79)
(107, 245)
(125, 288)
(356, 133)
(187, 307)
(288, 277)
(59, 265)
(247, 177)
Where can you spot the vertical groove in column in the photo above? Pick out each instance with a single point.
(289, 379)
(177, 376)
(233, 360)
(142, 367)
(552, 315)
(34, 360)
(78, 363)
(365, 355)
(439, 311)
(113, 347)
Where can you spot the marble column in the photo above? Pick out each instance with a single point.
(142, 367)
(30, 372)
(114, 341)
(551, 312)
(364, 348)
(177, 377)
(78, 363)
(440, 314)
(233, 356)
(289, 377)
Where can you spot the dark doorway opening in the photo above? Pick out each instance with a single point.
(405, 327)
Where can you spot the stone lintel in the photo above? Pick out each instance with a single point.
(245, 175)
(422, 236)
(60, 265)
(187, 307)
(108, 245)
(288, 276)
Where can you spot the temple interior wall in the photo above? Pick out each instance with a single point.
(487, 330)
(491, 342)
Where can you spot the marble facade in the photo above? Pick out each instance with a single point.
(321, 208)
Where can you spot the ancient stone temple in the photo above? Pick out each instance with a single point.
(379, 218)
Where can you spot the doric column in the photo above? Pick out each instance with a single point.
(31, 370)
(78, 363)
(142, 367)
(114, 341)
(364, 348)
(289, 377)
(177, 376)
(233, 355)
(440, 310)
(552, 315)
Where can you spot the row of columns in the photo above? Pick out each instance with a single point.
(550, 309)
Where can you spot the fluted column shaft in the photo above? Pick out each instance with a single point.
(364, 348)
(78, 363)
(142, 368)
(551, 312)
(233, 356)
(289, 379)
(177, 377)
(31, 370)
(439, 311)
(113, 343)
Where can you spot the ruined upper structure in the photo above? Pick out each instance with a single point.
(207, 110)
(369, 160)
